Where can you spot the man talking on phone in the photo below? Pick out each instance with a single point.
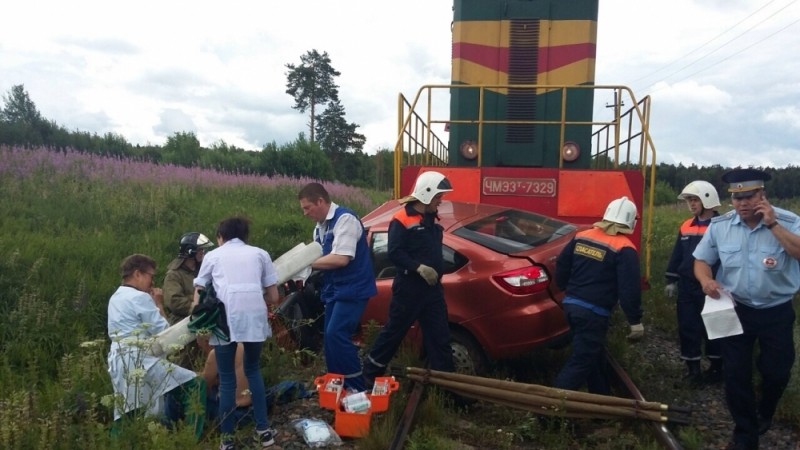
(758, 247)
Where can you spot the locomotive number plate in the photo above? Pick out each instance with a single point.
(534, 187)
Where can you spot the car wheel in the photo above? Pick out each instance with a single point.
(302, 330)
(294, 321)
(313, 322)
(468, 356)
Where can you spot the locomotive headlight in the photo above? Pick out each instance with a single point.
(570, 151)
(468, 150)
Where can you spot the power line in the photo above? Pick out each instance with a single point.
(702, 45)
(726, 43)
(738, 52)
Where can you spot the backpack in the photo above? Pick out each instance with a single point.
(209, 315)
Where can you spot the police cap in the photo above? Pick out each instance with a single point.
(742, 181)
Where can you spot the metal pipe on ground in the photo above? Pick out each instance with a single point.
(540, 410)
(547, 391)
(558, 406)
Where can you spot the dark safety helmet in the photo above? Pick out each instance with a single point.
(191, 242)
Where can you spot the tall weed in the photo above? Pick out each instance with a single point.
(69, 219)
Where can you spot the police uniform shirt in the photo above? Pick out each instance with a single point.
(754, 266)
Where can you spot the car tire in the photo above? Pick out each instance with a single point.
(468, 356)
(303, 331)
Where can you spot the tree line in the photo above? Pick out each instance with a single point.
(671, 179)
(334, 150)
(333, 153)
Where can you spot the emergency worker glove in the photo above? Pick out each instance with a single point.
(428, 273)
(637, 332)
(671, 289)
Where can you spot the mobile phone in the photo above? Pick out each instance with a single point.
(761, 197)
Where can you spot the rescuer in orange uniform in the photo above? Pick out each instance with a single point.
(415, 247)
(597, 267)
(702, 199)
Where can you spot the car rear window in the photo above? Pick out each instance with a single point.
(513, 231)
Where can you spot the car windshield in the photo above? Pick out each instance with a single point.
(513, 231)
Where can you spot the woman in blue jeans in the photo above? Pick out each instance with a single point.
(245, 280)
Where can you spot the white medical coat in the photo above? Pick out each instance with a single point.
(240, 272)
(141, 379)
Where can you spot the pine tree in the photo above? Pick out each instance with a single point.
(311, 84)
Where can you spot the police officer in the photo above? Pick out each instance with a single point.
(415, 248)
(348, 280)
(596, 268)
(702, 199)
(757, 246)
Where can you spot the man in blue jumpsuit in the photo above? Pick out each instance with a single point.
(757, 246)
(702, 199)
(415, 248)
(597, 267)
(348, 280)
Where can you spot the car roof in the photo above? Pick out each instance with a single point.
(451, 213)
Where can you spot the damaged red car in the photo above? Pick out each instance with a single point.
(498, 283)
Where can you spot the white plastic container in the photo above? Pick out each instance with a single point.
(356, 403)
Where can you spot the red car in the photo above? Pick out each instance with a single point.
(498, 283)
(498, 279)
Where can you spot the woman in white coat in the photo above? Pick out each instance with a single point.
(135, 316)
(245, 280)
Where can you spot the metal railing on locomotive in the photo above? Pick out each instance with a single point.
(622, 141)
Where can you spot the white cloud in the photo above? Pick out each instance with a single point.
(172, 119)
(788, 116)
(691, 97)
(723, 74)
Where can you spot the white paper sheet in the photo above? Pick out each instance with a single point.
(720, 317)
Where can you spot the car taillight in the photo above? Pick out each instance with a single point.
(525, 281)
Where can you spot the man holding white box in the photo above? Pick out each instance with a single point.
(758, 247)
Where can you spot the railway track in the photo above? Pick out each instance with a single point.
(620, 380)
(629, 389)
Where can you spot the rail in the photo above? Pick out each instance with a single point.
(546, 401)
(660, 430)
(421, 145)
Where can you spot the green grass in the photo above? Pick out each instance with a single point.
(660, 315)
(68, 220)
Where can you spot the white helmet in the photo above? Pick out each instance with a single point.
(427, 186)
(621, 211)
(704, 190)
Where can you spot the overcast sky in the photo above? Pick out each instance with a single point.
(724, 75)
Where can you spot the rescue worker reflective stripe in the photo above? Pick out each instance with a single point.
(691, 228)
(614, 243)
(407, 220)
(353, 375)
(372, 361)
(599, 310)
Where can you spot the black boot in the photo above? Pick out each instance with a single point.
(694, 376)
(714, 373)
(369, 372)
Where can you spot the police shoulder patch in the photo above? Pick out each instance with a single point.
(727, 216)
